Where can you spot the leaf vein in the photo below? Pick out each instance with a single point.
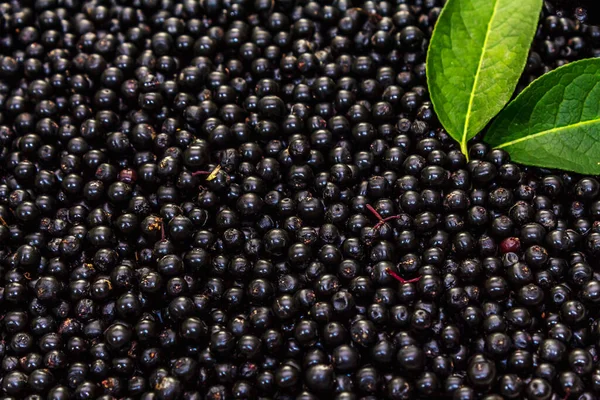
(463, 142)
(558, 129)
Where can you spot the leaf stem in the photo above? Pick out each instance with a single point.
(464, 149)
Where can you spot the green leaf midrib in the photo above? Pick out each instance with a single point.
(549, 132)
(463, 142)
(555, 121)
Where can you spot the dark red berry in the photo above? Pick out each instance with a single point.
(510, 245)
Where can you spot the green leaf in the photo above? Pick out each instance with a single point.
(555, 121)
(477, 54)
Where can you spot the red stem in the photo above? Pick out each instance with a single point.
(399, 278)
(200, 173)
(374, 212)
(162, 229)
(382, 220)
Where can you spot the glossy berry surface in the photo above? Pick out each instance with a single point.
(254, 199)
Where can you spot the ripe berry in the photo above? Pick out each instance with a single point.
(257, 200)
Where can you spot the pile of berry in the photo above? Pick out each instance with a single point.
(253, 199)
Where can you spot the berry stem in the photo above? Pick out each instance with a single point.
(399, 278)
(374, 212)
(210, 175)
(162, 229)
(382, 220)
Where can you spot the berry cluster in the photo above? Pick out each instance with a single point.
(585, 11)
(253, 199)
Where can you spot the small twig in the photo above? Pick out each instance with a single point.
(382, 220)
(3, 222)
(162, 229)
(399, 278)
(210, 175)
